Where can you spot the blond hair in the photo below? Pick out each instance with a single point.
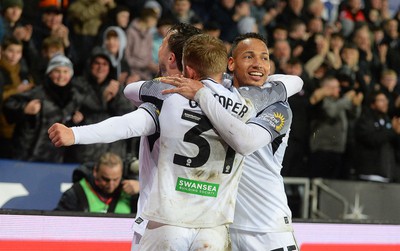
(206, 54)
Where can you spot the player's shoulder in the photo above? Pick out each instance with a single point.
(218, 88)
(264, 96)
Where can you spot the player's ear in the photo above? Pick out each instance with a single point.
(172, 58)
(231, 64)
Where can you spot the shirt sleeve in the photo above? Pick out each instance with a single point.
(141, 122)
(147, 91)
(132, 92)
(293, 84)
(232, 130)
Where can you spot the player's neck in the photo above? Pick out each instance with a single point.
(216, 77)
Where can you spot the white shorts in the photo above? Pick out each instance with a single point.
(250, 241)
(175, 238)
(135, 241)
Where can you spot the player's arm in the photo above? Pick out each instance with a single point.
(244, 138)
(293, 84)
(279, 87)
(132, 92)
(146, 91)
(141, 122)
(234, 131)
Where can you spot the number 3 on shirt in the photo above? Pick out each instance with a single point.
(194, 136)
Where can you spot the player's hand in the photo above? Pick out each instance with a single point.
(60, 135)
(185, 86)
(130, 187)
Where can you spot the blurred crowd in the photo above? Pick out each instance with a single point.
(346, 120)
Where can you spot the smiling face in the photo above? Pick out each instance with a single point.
(100, 68)
(61, 75)
(250, 63)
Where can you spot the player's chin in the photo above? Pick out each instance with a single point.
(256, 80)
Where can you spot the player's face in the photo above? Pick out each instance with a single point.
(250, 63)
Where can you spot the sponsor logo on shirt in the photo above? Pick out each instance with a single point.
(139, 220)
(276, 120)
(279, 121)
(197, 187)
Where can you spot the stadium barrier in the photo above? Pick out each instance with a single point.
(333, 215)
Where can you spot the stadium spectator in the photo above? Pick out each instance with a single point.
(315, 25)
(388, 85)
(378, 137)
(119, 16)
(227, 13)
(139, 48)
(212, 29)
(262, 15)
(182, 12)
(351, 15)
(376, 11)
(317, 54)
(34, 111)
(84, 19)
(99, 188)
(281, 53)
(10, 19)
(13, 25)
(103, 98)
(329, 127)
(350, 74)
(297, 37)
(369, 59)
(114, 43)
(163, 26)
(293, 10)
(392, 40)
(16, 79)
(247, 24)
(295, 161)
(279, 32)
(336, 43)
(51, 46)
(51, 26)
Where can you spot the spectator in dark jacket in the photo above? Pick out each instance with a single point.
(103, 98)
(377, 138)
(36, 110)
